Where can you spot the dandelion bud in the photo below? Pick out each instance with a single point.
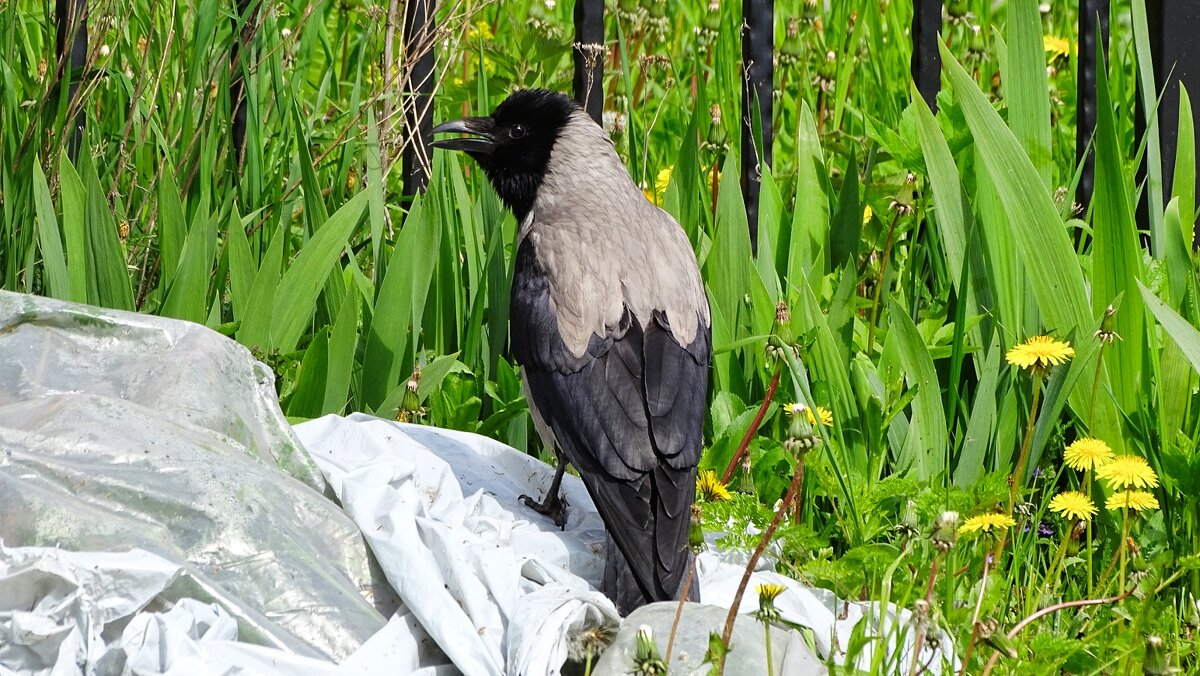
(1157, 661)
(989, 633)
(647, 661)
(1106, 333)
(908, 525)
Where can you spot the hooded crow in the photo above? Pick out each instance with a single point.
(610, 324)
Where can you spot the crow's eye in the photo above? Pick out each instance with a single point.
(516, 131)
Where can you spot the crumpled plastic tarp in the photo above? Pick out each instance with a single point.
(158, 516)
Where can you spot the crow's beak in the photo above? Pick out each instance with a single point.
(479, 139)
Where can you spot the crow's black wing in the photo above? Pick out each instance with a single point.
(628, 414)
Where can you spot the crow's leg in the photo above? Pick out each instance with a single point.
(553, 506)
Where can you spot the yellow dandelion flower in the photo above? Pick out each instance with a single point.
(1056, 47)
(1073, 506)
(1040, 352)
(1127, 472)
(1135, 500)
(986, 523)
(823, 413)
(710, 488)
(769, 591)
(812, 415)
(1087, 453)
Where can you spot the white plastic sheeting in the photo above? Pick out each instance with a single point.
(157, 516)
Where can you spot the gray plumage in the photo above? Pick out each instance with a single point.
(610, 324)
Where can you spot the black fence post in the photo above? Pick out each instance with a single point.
(70, 17)
(1093, 29)
(926, 62)
(758, 86)
(589, 59)
(1173, 25)
(418, 94)
(245, 25)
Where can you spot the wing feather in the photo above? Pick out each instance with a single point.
(628, 414)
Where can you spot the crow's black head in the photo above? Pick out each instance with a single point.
(513, 144)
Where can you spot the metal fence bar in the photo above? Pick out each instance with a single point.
(70, 16)
(926, 62)
(418, 94)
(1093, 27)
(1173, 27)
(589, 61)
(245, 25)
(758, 86)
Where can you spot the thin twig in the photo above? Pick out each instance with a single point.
(1012, 633)
(754, 424)
(792, 491)
(687, 585)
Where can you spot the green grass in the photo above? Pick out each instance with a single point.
(911, 250)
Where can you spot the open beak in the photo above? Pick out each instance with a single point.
(479, 137)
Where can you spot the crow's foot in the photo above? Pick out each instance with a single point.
(553, 506)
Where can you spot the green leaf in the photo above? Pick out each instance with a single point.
(969, 467)
(74, 230)
(298, 290)
(255, 329)
(1183, 186)
(1116, 256)
(810, 221)
(400, 306)
(343, 343)
(1179, 329)
(58, 282)
(1045, 250)
(924, 450)
(109, 275)
(172, 228)
(1024, 76)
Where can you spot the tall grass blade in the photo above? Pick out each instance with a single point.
(1181, 331)
(74, 225)
(1116, 255)
(54, 261)
(924, 449)
(1025, 85)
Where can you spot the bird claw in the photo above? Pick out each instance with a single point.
(553, 507)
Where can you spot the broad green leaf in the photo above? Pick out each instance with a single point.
(971, 458)
(108, 271)
(343, 342)
(58, 282)
(952, 216)
(307, 399)
(189, 291)
(1024, 75)
(1148, 90)
(399, 305)
(74, 230)
(172, 228)
(255, 325)
(810, 221)
(924, 450)
(1183, 186)
(1179, 329)
(298, 290)
(241, 264)
(1047, 256)
(1116, 256)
